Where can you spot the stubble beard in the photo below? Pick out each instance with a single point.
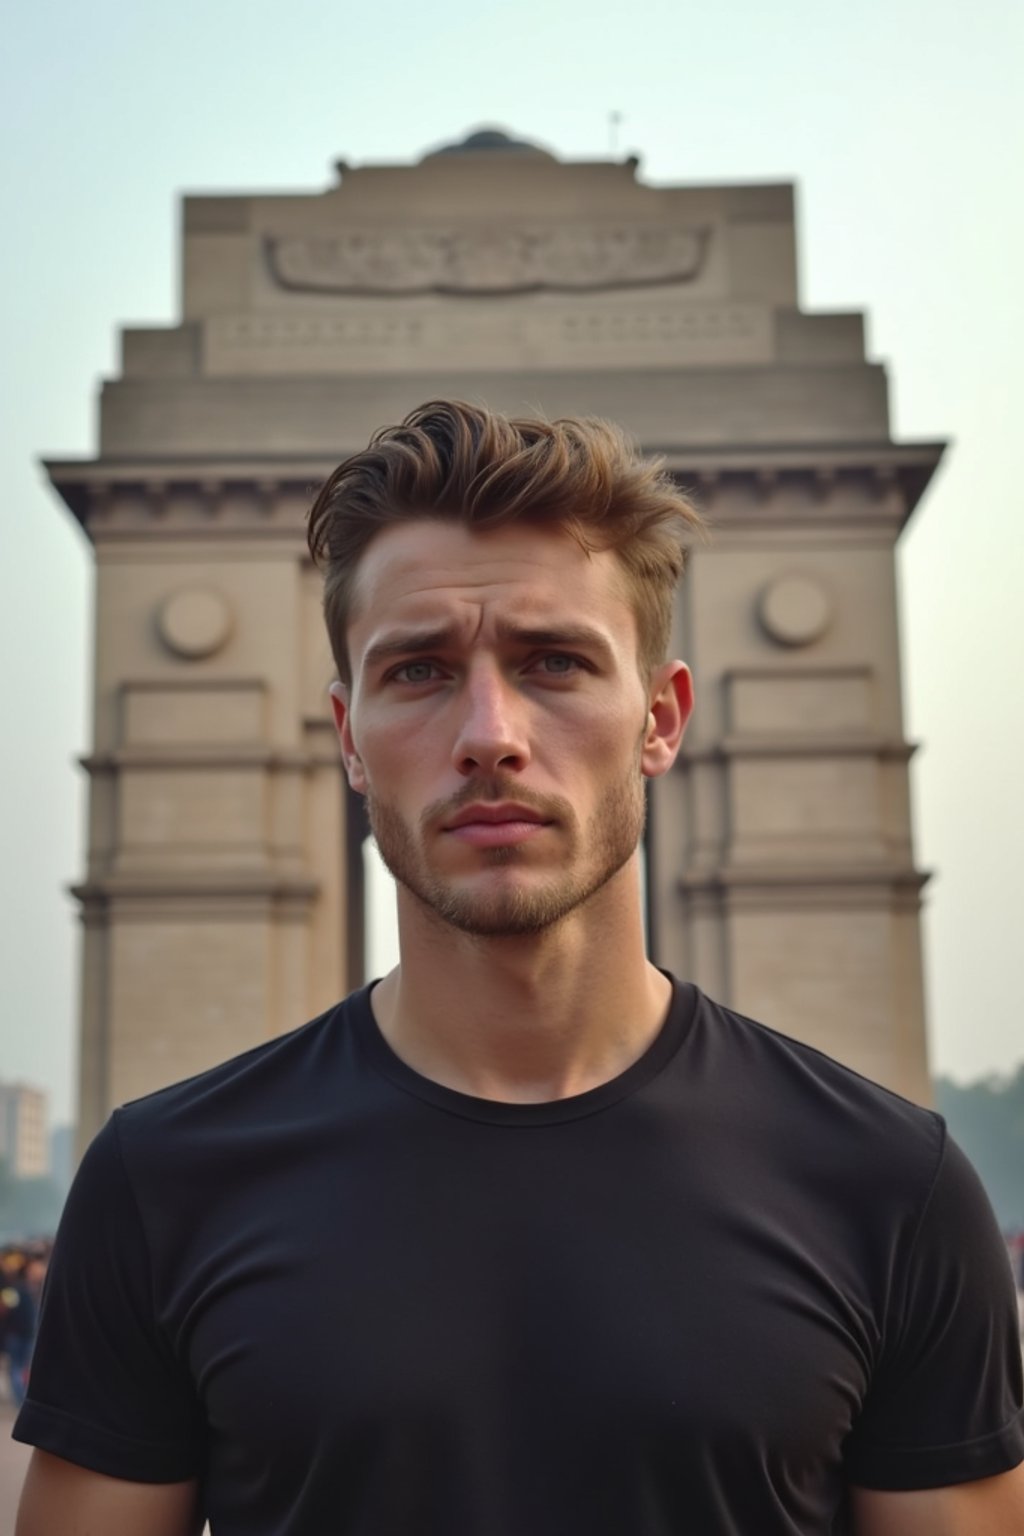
(516, 908)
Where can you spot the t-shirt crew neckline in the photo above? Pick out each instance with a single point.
(663, 1047)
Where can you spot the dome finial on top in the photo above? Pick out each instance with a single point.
(488, 139)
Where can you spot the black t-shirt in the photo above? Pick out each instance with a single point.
(698, 1300)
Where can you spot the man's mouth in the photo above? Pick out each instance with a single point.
(494, 826)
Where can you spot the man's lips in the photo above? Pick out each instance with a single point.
(491, 812)
(494, 826)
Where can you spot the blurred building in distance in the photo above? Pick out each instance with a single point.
(24, 1134)
(62, 1156)
(222, 901)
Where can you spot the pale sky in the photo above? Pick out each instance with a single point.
(900, 122)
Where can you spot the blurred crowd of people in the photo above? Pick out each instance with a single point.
(22, 1272)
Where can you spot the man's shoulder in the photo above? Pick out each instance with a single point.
(809, 1097)
(265, 1080)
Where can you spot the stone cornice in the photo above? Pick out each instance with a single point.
(267, 497)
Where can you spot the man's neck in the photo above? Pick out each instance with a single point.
(525, 1019)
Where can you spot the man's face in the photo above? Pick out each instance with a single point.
(496, 720)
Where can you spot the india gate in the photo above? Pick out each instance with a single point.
(222, 900)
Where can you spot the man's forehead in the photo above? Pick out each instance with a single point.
(416, 566)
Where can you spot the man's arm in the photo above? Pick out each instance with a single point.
(992, 1506)
(108, 1388)
(62, 1499)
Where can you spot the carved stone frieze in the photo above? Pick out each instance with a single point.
(468, 260)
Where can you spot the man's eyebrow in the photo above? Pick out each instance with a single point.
(418, 642)
(583, 635)
(411, 642)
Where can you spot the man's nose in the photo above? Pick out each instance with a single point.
(492, 732)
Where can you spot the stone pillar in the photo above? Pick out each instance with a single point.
(780, 848)
(214, 901)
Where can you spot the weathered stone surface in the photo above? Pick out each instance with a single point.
(331, 415)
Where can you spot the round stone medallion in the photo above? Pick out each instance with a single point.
(194, 622)
(795, 609)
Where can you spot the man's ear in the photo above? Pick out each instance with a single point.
(354, 770)
(670, 707)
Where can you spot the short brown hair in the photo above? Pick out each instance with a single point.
(466, 464)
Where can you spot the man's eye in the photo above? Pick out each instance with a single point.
(415, 672)
(558, 664)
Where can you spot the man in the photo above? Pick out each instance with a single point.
(530, 1238)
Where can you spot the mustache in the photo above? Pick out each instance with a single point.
(492, 790)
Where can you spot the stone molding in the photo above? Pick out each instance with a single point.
(376, 340)
(790, 888)
(201, 756)
(797, 744)
(190, 897)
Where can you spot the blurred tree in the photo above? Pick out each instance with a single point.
(987, 1119)
(28, 1207)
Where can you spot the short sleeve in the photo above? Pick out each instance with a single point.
(105, 1388)
(944, 1405)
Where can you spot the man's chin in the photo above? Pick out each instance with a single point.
(498, 925)
(517, 911)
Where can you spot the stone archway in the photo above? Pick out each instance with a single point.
(221, 866)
